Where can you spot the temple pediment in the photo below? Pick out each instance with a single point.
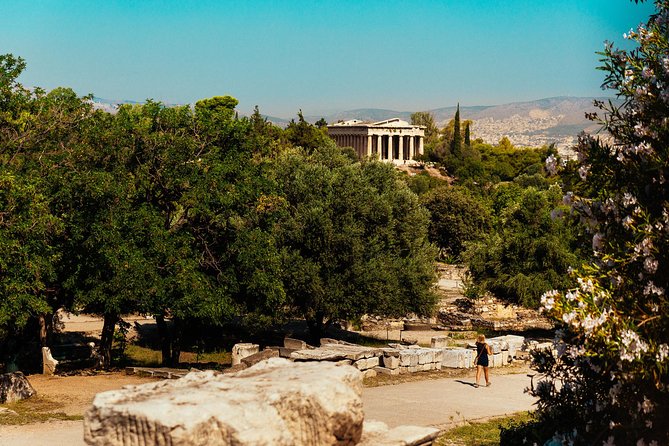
(386, 123)
(394, 122)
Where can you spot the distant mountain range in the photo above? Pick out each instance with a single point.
(534, 123)
(571, 108)
(556, 120)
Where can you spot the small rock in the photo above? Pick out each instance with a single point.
(243, 350)
(15, 387)
(294, 344)
(260, 356)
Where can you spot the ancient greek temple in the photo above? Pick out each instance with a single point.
(392, 140)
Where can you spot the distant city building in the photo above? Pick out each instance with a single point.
(392, 140)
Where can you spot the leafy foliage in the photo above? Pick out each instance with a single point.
(302, 134)
(194, 216)
(609, 383)
(426, 119)
(529, 251)
(457, 218)
(353, 238)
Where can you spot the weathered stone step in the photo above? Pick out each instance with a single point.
(157, 372)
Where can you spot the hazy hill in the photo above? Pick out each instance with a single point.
(534, 123)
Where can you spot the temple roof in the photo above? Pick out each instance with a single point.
(393, 122)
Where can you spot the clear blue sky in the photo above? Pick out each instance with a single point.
(317, 55)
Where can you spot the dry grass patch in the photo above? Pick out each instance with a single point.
(146, 357)
(37, 409)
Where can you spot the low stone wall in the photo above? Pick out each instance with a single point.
(397, 359)
(394, 360)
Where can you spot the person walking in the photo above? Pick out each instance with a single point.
(482, 360)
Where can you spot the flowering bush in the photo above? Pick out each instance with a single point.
(608, 382)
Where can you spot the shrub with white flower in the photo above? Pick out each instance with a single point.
(609, 383)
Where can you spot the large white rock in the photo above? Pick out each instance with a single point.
(275, 402)
(514, 343)
(408, 358)
(391, 362)
(48, 362)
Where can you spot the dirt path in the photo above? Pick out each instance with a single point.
(445, 403)
(54, 433)
(440, 402)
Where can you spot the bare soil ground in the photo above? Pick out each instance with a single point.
(53, 417)
(74, 394)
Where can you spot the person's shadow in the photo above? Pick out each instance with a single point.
(467, 383)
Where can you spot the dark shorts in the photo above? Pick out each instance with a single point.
(483, 362)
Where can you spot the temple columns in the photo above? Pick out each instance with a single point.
(390, 148)
(401, 149)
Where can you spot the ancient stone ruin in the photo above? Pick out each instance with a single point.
(275, 402)
(396, 359)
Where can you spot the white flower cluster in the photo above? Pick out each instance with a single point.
(587, 286)
(646, 406)
(628, 199)
(651, 288)
(583, 171)
(632, 346)
(551, 165)
(650, 265)
(590, 324)
(597, 241)
(548, 299)
(662, 352)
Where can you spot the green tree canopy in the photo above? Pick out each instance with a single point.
(353, 238)
(302, 134)
(528, 250)
(456, 218)
(426, 119)
(456, 142)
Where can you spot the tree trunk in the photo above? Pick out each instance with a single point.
(107, 339)
(316, 327)
(165, 342)
(176, 342)
(45, 329)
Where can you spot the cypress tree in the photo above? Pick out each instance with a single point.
(456, 144)
(467, 136)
